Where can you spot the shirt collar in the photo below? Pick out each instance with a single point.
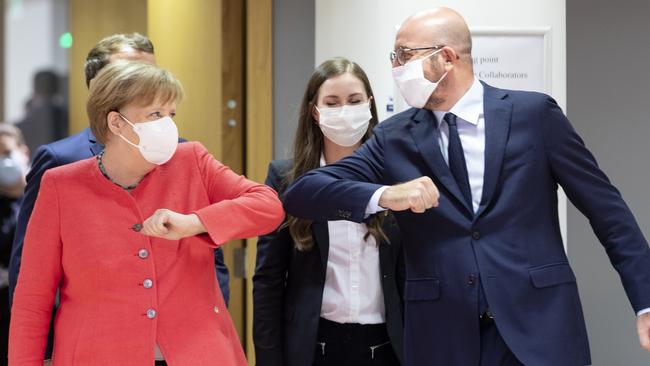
(470, 106)
(322, 160)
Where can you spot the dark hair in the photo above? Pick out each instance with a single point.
(99, 56)
(46, 83)
(308, 144)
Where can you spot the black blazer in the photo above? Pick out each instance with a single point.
(288, 288)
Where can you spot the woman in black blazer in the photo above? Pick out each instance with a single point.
(329, 293)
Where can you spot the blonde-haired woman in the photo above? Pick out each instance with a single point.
(128, 239)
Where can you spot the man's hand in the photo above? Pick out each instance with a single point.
(417, 195)
(643, 327)
(171, 225)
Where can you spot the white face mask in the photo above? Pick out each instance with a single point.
(158, 139)
(12, 169)
(416, 89)
(346, 125)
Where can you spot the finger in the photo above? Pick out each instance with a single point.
(161, 220)
(146, 227)
(415, 202)
(644, 334)
(426, 196)
(432, 191)
(149, 225)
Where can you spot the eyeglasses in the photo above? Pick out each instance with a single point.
(403, 54)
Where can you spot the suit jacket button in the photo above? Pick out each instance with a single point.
(137, 227)
(476, 235)
(143, 253)
(472, 279)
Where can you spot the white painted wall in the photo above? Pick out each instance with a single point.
(364, 31)
(32, 30)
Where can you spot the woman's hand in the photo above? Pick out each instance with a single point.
(171, 225)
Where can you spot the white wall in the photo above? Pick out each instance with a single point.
(32, 30)
(364, 31)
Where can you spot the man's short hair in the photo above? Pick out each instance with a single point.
(100, 55)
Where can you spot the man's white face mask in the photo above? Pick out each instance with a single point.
(415, 88)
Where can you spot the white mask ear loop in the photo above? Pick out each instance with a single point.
(124, 138)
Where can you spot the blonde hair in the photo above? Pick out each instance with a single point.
(126, 82)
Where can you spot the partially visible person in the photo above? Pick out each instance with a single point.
(82, 145)
(46, 116)
(14, 159)
(128, 237)
(328, 292)
(471, 174)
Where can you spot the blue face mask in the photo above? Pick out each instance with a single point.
(12, 169)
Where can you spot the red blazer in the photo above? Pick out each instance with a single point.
(121, 292)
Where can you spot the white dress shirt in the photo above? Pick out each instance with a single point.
(471, 130)
(353, 291)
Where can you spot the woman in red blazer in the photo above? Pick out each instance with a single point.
(128, 238)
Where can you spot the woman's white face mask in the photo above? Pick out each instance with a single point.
(158, 139)
(414, 86)
(345, 125)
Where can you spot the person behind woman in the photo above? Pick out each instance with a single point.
(129, 236)
(326, 293)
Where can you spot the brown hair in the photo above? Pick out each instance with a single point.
(12, 131)
(126, 82)
(308, 144)
(99, 56)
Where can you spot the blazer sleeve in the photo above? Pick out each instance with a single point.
(40, 276)
(589, 189)
(44, 159)
(272, 265)
(340, 191)
(240, 207)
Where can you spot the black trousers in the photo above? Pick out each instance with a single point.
(494, 350)
(353, 345)
(160, 363)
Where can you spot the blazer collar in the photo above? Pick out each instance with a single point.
(426, 134)
(498, 115)
(322, 240)
(95, 147)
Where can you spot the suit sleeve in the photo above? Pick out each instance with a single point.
(589, 189)
(39, 279)
(44, 159)
(340, 191)
(223, 276)
(240, 207)
(272, 265)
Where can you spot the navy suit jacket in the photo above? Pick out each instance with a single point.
(288, 288)
(79, 146)
(513, 243)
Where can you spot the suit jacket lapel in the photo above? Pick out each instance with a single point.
(497, 114)
(322, 240)
(426, 134)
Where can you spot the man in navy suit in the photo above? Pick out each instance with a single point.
(487, 278)
(83, 145)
